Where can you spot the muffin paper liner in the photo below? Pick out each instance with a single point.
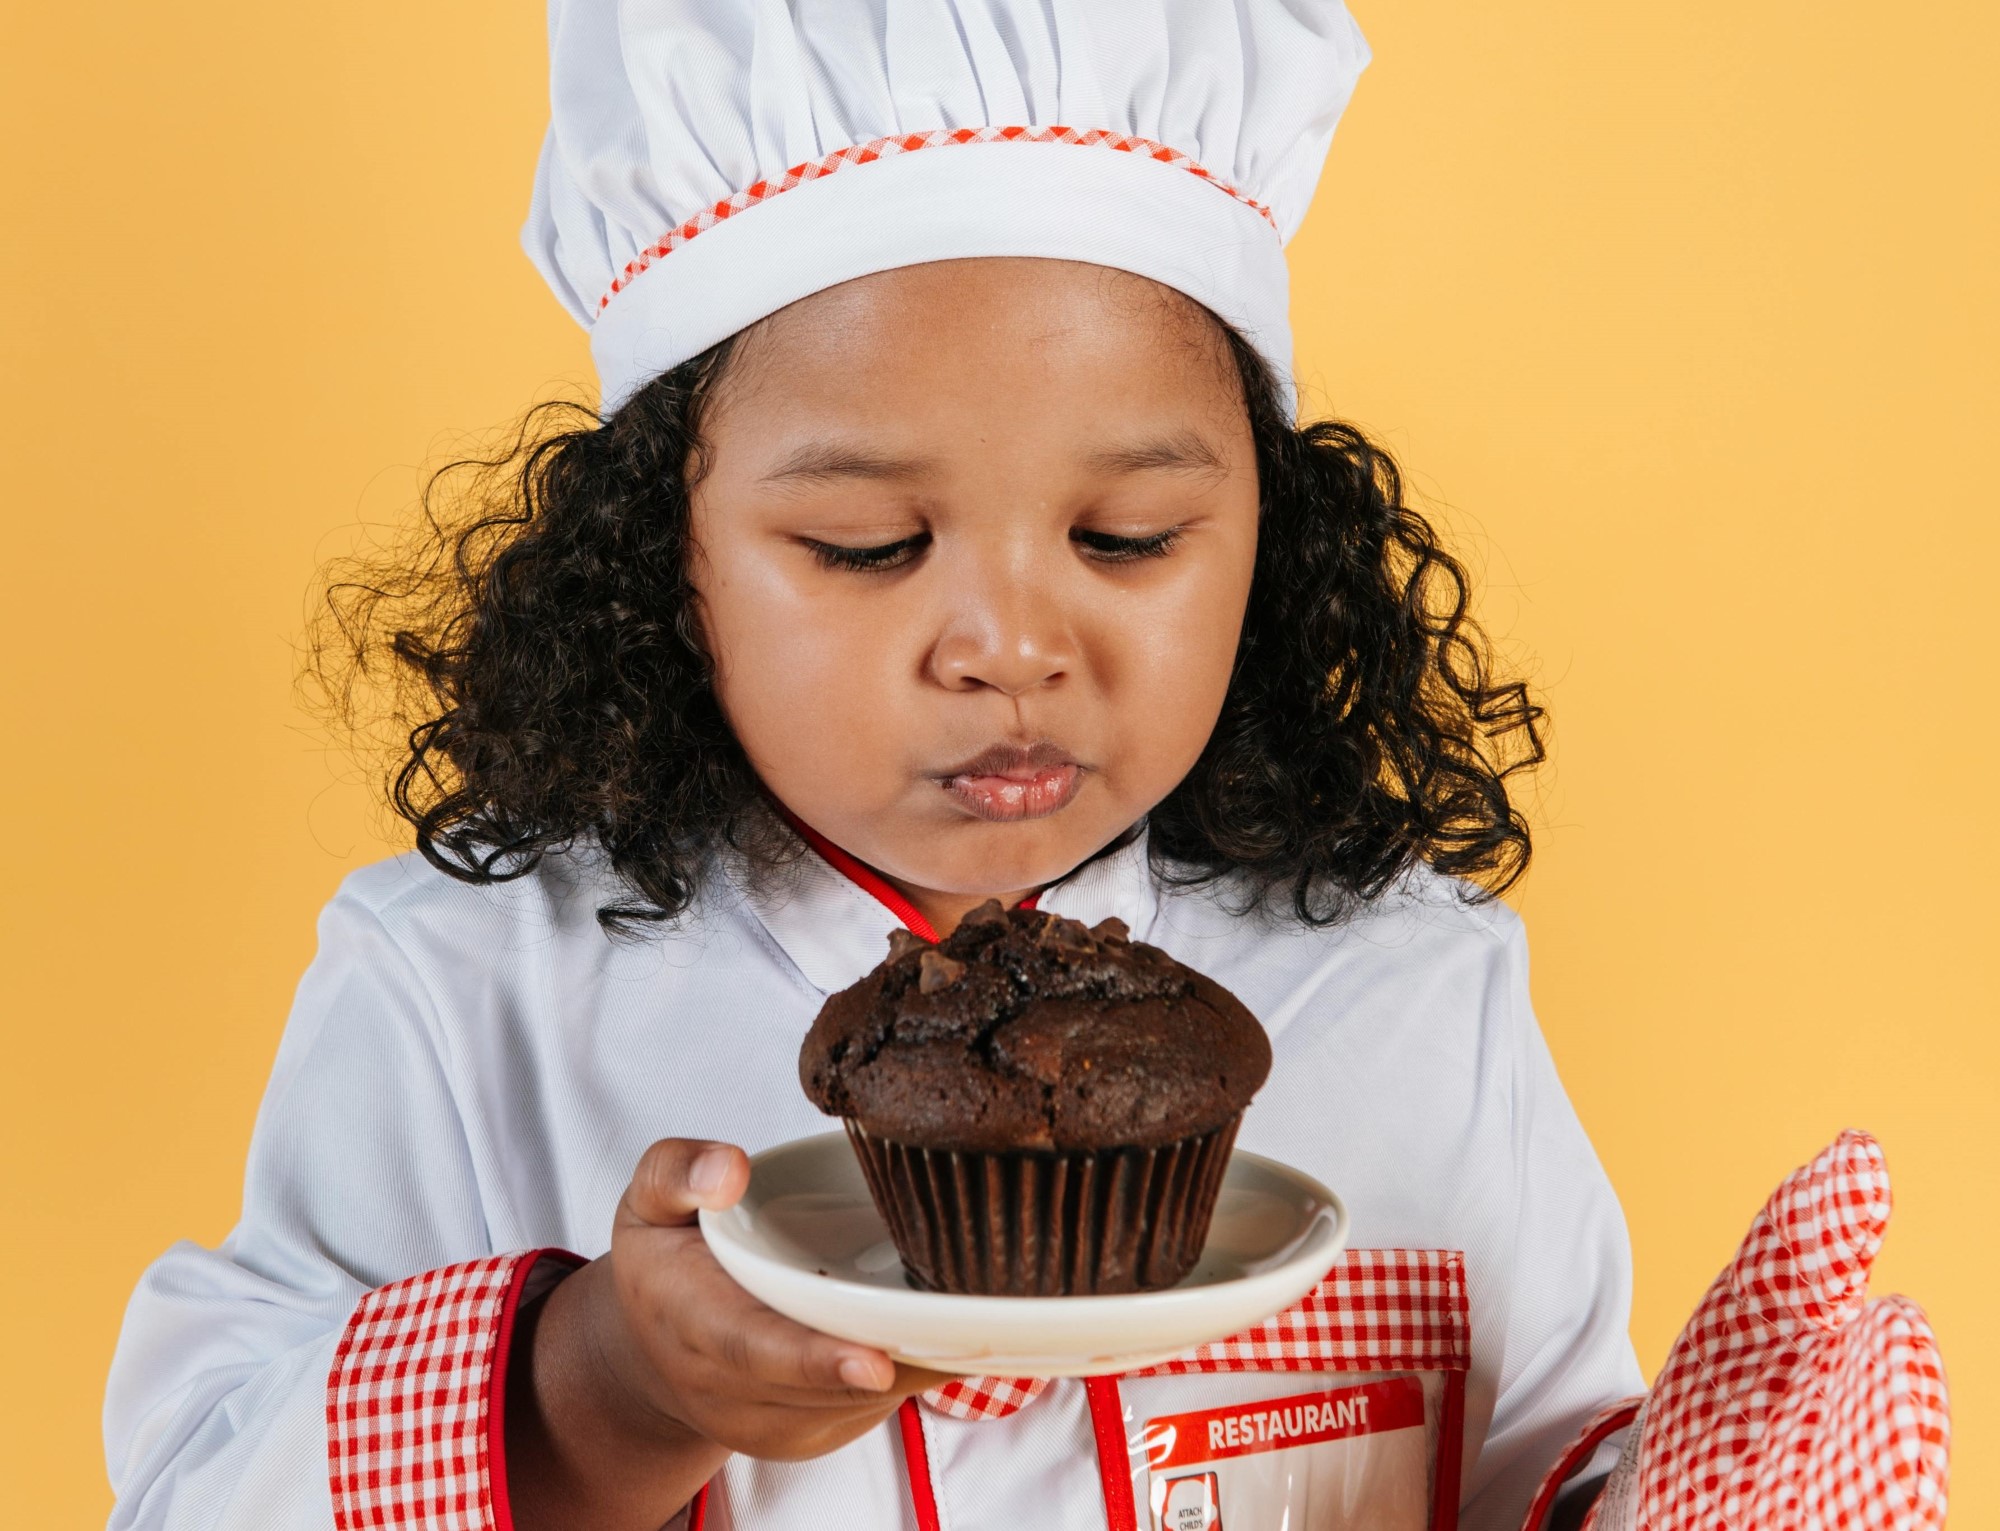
(1024, 1223)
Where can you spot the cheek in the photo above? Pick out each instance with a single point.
(802, 678)
(1168, 657)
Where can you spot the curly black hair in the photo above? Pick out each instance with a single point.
(547, 682)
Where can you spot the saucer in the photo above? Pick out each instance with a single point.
(806, 1239)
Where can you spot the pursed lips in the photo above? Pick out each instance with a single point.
(1011, 782)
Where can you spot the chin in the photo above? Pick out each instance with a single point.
(999, 859)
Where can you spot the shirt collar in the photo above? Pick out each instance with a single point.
(834, 930)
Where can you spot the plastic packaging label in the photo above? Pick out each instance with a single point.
(1352, 1455)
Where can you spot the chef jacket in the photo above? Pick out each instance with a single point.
(469, 1072)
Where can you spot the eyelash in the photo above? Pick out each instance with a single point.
(1104, 546)
(1114, 549)
(868, 560)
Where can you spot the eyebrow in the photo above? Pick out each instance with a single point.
(823, 461)
(1178, 452)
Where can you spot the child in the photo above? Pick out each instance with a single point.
(947, 536)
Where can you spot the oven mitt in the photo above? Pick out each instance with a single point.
(1792, 1400)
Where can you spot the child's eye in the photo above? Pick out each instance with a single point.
(889, 555)
(1107, 547)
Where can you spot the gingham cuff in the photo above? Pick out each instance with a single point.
(415, 1421)
(1604, 1424)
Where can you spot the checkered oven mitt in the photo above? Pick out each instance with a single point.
(1792, 1400)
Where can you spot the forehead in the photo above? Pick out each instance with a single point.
(975, 347)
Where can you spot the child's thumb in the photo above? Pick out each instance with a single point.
(677, 1177)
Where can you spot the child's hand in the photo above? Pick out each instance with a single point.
(694, 1346)
(651, 1366)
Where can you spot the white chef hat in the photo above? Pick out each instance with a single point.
(709, 161)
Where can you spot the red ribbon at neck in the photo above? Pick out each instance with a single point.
(868, 879)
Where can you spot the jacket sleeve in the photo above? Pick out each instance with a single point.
(336, 1361)
(1568, 1361)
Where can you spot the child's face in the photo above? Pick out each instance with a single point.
(971, 509)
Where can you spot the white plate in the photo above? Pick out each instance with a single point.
(807, 1240)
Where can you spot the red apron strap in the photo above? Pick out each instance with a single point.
(1114, 1463)
(1450, 1447)
(917, 1463)
(698, 1509)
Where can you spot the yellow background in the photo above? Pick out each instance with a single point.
(1681, 316)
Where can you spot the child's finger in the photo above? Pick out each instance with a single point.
(744, 1340)
(748, 1339)
(677, 1177)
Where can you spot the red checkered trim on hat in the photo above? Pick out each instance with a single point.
(412, 1400)
(908, 143)
(1790, 1399)
(1375, 1310)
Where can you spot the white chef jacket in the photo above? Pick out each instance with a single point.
(469, 1070)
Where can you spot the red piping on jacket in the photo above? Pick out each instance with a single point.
(496, 1396)
(1572, 1461)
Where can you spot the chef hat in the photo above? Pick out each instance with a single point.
(709, 161)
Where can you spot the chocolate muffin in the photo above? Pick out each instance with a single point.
(1040, 1107)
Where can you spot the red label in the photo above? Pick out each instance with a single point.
(1192, 1503)
(1235, 1430)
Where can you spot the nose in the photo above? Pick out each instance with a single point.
(1005, 630)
